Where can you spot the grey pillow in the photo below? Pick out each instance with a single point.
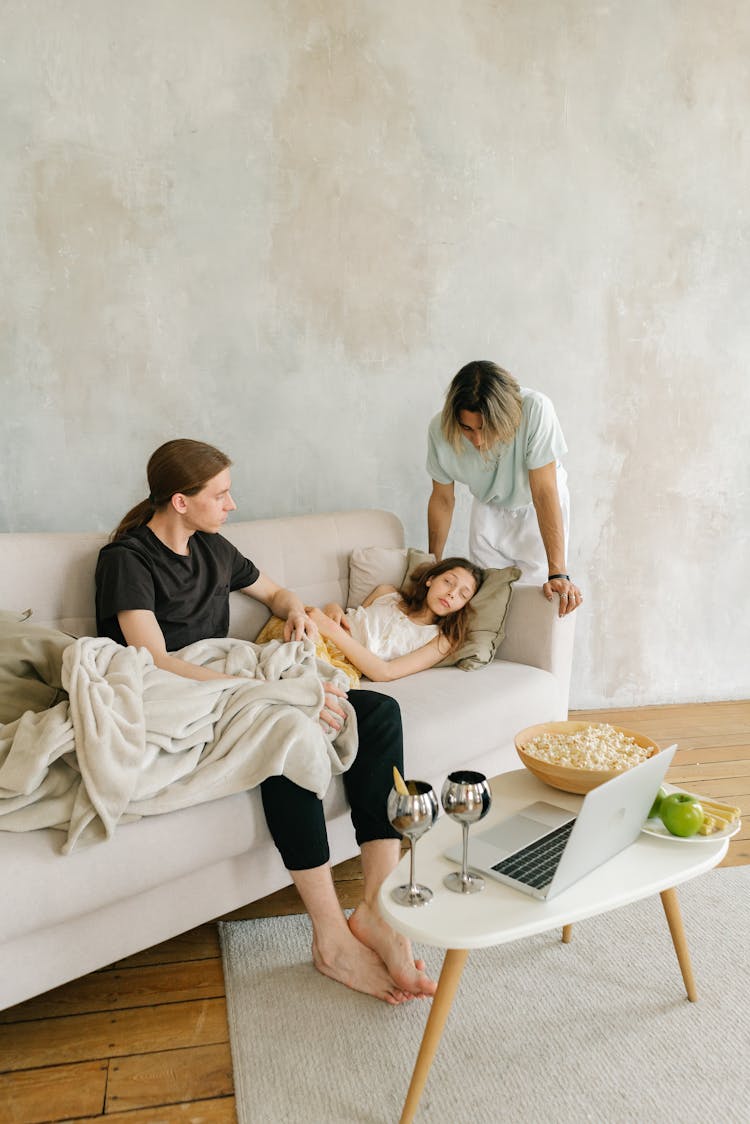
(487, 627)
(30, 666)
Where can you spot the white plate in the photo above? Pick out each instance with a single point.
(656, 827)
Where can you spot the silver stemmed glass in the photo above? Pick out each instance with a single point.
(466, 797)
(412, 815)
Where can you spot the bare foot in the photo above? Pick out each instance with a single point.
(395, 950)
(351, 963)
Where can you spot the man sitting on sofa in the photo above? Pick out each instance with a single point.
(163, 582)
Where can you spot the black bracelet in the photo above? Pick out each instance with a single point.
(552, 577)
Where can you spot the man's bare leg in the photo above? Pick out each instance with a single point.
(336, 951)
(378, 860)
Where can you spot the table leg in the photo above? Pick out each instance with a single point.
(674, 920)
(453, 966)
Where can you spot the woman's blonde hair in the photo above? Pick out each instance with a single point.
(181, 465)
(483, 388)
(455, 626)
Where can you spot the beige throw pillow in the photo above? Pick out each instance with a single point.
(370, 566)
(374, 565)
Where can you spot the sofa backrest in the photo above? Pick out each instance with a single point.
(53, 574)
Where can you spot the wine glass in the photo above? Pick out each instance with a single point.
(412, 815)
(466, 797)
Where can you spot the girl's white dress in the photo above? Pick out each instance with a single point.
(385, 631)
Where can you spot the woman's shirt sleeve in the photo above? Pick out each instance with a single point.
(544, 436)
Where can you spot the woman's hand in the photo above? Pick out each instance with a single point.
(569, 594)
(338, 615)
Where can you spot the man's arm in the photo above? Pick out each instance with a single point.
(439, 515)
(543, 485)
(285, 605)
(141, 629)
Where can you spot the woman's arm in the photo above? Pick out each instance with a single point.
(543, 486)
(141, 629)
(439, 515)
(375, 668)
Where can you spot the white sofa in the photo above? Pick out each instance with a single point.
(64, 916)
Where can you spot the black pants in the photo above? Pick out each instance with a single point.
(295, 815)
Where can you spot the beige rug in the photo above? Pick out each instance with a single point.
(540, 1033)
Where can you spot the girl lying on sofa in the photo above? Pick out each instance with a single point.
(395, 633)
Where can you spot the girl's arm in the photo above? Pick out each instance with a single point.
(338, 615)
(379, 591)
(375, 668)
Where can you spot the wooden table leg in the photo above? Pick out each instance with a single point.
(453, 966)
(674, 920)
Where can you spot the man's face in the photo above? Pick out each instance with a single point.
(208, 509)
(471, 426)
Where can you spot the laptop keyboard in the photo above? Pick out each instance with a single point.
(536, 864)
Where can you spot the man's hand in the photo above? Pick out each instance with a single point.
(298, 625)
(332, 714)
(569, 594)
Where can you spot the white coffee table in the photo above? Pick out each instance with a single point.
(501, 914)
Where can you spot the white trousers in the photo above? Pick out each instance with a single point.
(509, 536)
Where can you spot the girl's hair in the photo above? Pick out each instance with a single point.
(178, 466)
(454, 626)
(483, 388)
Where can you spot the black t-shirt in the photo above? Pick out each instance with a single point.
(188, 594)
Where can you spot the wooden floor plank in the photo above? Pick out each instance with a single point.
(39, 1095)
(219, 1111)
(198, 944)
(119, 988)
(197, 1074)
(112, 1034)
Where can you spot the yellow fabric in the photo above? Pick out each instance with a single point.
(325, 649)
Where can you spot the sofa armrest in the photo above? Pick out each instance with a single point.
(535, 635)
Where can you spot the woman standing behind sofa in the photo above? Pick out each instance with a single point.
(505, 443)
(163, 582)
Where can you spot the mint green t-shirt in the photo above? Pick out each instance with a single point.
(502, 475)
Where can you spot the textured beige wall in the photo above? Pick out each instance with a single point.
(282, 227)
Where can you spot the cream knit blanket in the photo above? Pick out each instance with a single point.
(133, 740)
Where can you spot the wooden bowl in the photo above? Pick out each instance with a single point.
(568, 778)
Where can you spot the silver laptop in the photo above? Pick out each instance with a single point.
(545, 848)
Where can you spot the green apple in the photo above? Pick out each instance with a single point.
(681, 814)
(657, 803)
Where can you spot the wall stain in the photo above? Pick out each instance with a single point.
(350, 240)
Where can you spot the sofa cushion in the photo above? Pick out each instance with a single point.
(454, 721)
(30, 666)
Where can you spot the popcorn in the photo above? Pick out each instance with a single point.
(594, 747)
